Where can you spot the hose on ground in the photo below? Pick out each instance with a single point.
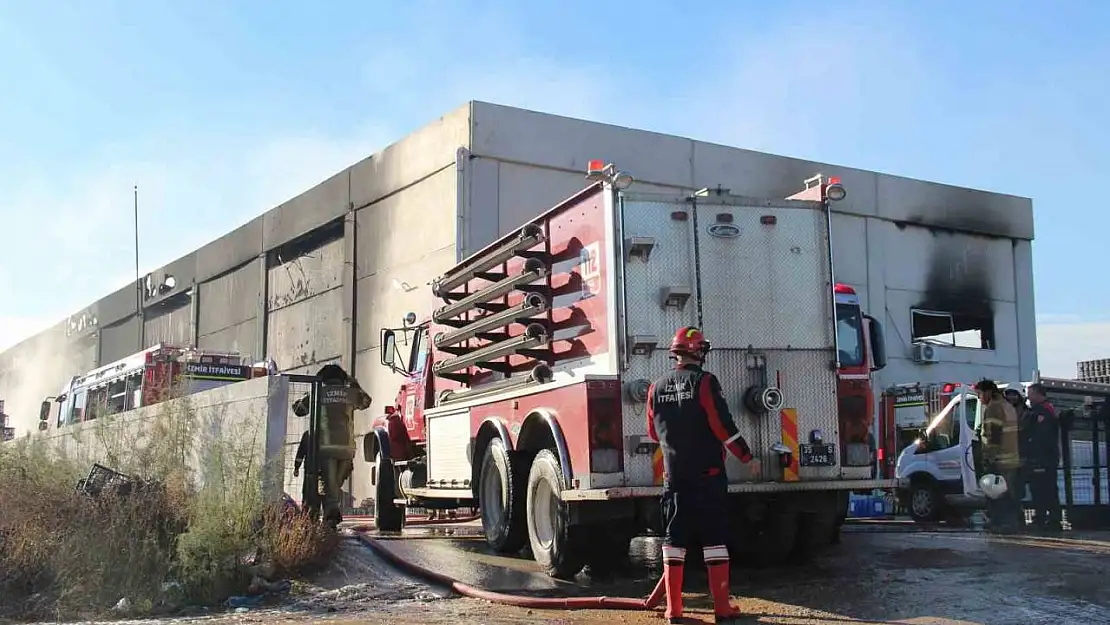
(367, 523)
(540, 603)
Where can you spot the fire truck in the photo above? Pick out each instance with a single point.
(525, 391)
(143, 379)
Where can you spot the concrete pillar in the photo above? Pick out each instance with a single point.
(350, 299)
(194, 315)
(262, 314)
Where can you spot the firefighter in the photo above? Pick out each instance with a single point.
(1000, 455)
(688, 416)
(1043, 437)
(310, 486)
(339, 397)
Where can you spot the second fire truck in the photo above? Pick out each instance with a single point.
(526, 390)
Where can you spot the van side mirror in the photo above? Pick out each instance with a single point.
(878, 342)
(389, 348)
(44, 411)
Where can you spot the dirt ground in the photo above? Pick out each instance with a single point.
(874, 576)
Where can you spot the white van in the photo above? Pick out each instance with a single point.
(938, 469)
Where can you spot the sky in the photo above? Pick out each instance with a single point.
(219, 111)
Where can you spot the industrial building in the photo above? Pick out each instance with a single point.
(947, 270)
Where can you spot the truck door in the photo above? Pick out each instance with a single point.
(658, 266)
(766, 290)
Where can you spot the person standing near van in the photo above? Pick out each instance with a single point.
(1000, 455)
(1044, 458)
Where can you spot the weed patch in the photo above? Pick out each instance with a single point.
(195, 519)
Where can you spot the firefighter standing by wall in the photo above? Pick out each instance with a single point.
(687, 414)
(1043, 442)
(1000, 455)
(310, 486)
(339, 397)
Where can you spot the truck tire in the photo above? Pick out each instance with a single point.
(388, 516)
(777, 541)
(557, 546)
(924, 501)
(816, 531)
(501, 499)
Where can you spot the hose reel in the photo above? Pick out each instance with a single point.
(762, 399)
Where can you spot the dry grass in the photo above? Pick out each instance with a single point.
(198, 528)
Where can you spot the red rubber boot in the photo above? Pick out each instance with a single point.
(718, 587)
(673, 560)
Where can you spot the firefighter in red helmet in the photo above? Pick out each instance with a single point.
(688, 416)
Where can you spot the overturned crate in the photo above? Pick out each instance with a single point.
(101, 479)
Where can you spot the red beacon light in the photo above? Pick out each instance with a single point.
(843, 289)
(595, 167)
(948, 388)
(834, 190)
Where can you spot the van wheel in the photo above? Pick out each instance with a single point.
(557, 546)
(388, 516)
(924, 502)
(501, 499)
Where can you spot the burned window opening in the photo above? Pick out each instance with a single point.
(305, 244)
(952, 329)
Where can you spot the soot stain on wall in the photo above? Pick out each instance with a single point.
(958, 278)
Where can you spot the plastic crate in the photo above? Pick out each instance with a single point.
(867, 507)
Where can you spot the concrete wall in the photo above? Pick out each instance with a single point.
(313, 280)
(250, 417)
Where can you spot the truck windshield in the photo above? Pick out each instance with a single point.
(419, 352)
(849, 334)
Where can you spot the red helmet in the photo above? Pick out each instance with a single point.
(689, 341)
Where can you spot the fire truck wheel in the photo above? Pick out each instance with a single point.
(557, 545)
(816, 530)
(388, 516)
(501, 499)
(777, 541)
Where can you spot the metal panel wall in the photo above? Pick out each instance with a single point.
(119, 340)
(304, 324)
(227, 318)
(173, 326)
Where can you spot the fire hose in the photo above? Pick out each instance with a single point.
(466, 590)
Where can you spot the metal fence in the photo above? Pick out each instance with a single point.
(1083, 479)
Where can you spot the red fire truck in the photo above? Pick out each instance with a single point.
(143, 379)
(525, 391)
(861, 352)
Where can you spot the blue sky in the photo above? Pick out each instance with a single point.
(221, 110)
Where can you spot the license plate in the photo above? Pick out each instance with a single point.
(817, 455)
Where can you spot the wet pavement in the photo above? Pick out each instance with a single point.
(881, 573)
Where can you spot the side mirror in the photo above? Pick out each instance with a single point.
(878, 343)
(389, 348)
(44, 412)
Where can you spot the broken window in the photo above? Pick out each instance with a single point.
(953, 329)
